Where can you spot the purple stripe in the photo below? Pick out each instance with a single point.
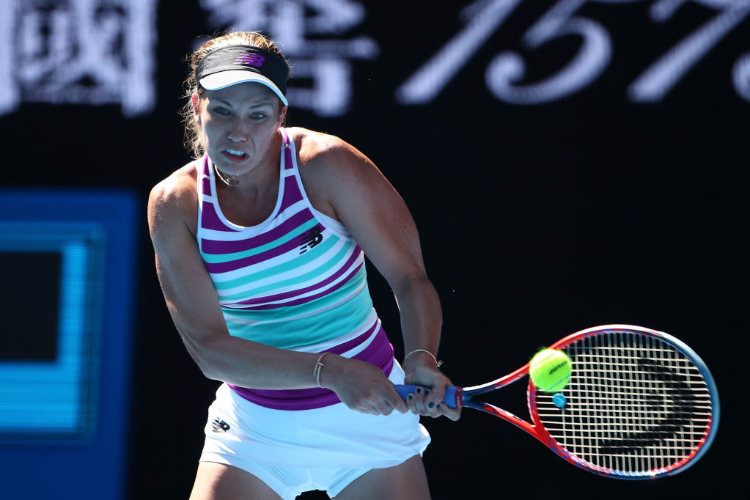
(210, 220)
(292, 194)
(262, 302)
(351, 344)
(223, 267)
(379, 353)
(288, 162)
(206, 182)
(218, 247)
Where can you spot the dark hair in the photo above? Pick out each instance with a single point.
(254, 38)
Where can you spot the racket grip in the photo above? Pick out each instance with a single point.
(449, 399)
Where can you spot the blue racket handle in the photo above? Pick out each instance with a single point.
(449, 399)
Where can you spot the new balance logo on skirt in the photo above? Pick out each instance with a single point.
(218, 425)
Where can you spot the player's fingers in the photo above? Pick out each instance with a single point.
(435, 400)
(452, 413)
(396, 402)
(386, 406)
(411, 402)
(420, 401)
(370, 410)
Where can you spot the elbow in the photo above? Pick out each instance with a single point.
(411, 283)
(204, 354)
(207, 369)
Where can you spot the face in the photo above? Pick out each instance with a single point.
(238, 125)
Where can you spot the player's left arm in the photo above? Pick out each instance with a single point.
(368, 205)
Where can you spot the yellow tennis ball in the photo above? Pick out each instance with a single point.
(550, 370)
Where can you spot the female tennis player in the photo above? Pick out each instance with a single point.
(260, 246)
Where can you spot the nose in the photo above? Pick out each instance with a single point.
(237, 131)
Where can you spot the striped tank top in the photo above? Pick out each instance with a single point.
(295, 281)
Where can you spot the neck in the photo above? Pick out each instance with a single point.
(229, 180)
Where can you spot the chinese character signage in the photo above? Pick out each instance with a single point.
(313, 34)
(78, 52)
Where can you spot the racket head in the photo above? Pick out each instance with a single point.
(640, 404)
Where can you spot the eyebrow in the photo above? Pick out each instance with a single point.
(257, 104)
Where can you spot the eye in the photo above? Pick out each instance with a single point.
(221, 111)
(258, 115)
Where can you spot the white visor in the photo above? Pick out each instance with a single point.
(225, 79)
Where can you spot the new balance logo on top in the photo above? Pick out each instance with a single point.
(309, 239)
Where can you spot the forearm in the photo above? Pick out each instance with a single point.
(421, 316)
(360, 385)
(250, 364)
(421, 322)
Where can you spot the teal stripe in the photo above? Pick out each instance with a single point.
(320, 327)
(275, 286)
(281, 313)
(286, 267)
(226, 257)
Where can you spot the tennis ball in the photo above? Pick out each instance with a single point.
(550, 370)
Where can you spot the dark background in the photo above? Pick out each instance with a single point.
(535, 221)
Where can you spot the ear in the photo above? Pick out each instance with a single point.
(282, 114)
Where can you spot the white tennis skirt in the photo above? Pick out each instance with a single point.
(239, 431)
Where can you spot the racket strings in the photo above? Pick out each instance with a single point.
(634, 404)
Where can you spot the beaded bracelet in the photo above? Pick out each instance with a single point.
(437, 363)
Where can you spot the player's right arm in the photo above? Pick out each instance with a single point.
(194, 306)
(193, 303)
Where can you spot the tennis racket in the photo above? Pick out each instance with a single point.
(639, 404)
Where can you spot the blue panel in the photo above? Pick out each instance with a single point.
(57, 400)
(67, 417)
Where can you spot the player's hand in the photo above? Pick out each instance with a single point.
(429, 401)
(361, 386)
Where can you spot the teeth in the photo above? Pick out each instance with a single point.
(233, 152)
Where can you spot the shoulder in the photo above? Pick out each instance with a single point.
(330, 159)
(175, 199)
(338, 178)
(312, 145)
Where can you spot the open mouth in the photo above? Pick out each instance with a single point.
(234, 155)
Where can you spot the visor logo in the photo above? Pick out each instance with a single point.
(250, 59)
